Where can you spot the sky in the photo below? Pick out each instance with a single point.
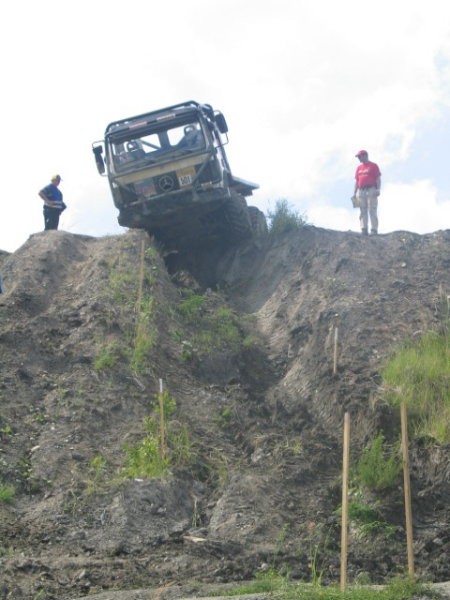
(303, 84)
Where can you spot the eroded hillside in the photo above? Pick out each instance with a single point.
(88, 327)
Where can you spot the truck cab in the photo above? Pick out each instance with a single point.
(169, 174)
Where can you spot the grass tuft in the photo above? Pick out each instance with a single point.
(378, 468)
(419, 375)
(280, 587)
(151, 458)
(6, 493)
(284, 219)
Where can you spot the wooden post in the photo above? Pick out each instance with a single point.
(335, 353)
(161, 420)
(407, 489)
(344, 524)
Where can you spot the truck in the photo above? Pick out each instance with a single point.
(169, 175)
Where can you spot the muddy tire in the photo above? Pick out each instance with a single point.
(258, 222)
(238, 218)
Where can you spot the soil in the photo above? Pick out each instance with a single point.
(264, 412)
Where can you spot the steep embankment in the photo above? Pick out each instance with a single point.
(86, 332)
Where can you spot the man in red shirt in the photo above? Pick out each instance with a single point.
(367, 190)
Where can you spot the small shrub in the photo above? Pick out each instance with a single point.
(181, 448)
(6, 430)
(145, 459)
(216, 328)
(191, 307)
(224, 327)
(96, 471)
(362, 512)
(249, 341)
(284, 218)
(6, 493)
(375, 470)
(148, 458)
(367, 518)
(98, 464)
(106, 359)
(122, 285)
(224, 418)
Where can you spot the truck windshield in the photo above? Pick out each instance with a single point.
(137, 147)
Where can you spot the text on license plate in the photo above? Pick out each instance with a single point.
(186, 176)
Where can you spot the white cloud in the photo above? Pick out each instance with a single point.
(402, 207)
(413, 207)
(303, 86)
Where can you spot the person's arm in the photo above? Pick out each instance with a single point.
(46, 200)
(356, 184)
(378, 183)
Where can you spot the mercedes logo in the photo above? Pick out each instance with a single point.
(166, 183)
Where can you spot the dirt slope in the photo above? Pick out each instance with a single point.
(264, 412)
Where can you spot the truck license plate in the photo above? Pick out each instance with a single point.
(185, 176)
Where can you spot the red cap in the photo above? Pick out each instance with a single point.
(361, 152)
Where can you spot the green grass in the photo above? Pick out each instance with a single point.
(123, 294)
(367, 519)
(6, 493)
(284, 218)
(191, 308)
(97, 469)
(224, 418)
(216, 328)
(281, 588)
(145, 459)
(379, 467)
(148, 459)
(145, 337)
(106, 358)
(419, 375)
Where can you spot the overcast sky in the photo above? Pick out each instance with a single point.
(304, 85)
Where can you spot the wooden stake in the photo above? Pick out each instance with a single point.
(407, 489)
(335, 354)
(344, 524)
(161, 420)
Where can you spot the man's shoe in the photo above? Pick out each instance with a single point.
(364, 231)
(373, 232)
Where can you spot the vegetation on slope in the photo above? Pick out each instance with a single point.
(419, 375)
(284, 218)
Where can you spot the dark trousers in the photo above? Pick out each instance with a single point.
(51, 217)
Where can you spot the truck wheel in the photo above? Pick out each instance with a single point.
(238, 218)
(258, 222)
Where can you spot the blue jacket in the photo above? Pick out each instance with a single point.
(52, 193)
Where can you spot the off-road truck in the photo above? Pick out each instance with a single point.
(169, 174)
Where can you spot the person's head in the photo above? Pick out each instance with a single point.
(363, 156)
(56, 179)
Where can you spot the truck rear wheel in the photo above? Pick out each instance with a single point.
(258, 222)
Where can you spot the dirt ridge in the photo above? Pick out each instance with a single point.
(265, 415)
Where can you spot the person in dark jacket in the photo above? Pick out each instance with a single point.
(53, 203)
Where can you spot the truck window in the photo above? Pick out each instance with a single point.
(151, 147)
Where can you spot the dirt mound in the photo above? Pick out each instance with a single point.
(89, 327)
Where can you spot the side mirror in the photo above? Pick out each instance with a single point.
(221, 123)
(98, 151)
(208, 109)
